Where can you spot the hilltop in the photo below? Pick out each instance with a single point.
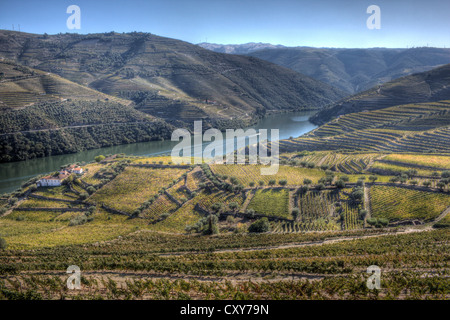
(239, 48)
(170, 79)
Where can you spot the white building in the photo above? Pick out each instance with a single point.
(53, 181)
(75, 169)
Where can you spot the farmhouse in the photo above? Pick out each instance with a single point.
(75, 169)
(53, 181)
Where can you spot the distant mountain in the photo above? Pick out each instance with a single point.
(170, 79)
(429, 86)
(239, 48)
(356, 70)
(351, 70)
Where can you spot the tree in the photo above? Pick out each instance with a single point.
(394, 179)
(357, 194)
(320, 186)
(261, 225)
(344, 178)
(282, 182)
(445, 174)
(302, 190)
(373, 178)
(217, 206)
(295, 213)
(99, 158)
(212, 225)
(3, 244)
(261, 183)
(84, 196)
(413, 182)
(90, 189)
(372, 221)
(272, 182)
(427, 183)
(233, 206)
(362, 214)
(251, 184)
(250, 212)
(441, 185)
(383, 222)
(340, 184)
(307, 181)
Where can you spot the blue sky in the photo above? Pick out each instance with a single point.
(320, 23)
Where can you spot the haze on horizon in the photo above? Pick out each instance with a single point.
(325, 23)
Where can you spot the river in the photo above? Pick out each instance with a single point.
(13, 174)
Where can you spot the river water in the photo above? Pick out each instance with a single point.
(13, 174)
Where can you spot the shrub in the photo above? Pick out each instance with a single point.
(165, 215)
(230, 219)
(79, 220)
(320, 186)
(99, 158)
(261, 225)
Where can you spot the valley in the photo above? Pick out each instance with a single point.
(86, 120)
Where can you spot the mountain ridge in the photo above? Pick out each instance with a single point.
(168, 78)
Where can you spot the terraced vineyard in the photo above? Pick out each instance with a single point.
(433, 161)
(162, 205)
(271, 202)
(135, 186)
(407, 128)
(398, 204)
(317, 204)
(252, 173)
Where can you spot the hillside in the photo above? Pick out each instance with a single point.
(421, 127)
(168, 78)
(433, 85)
(44, 114)
(22, 86)
(355, 70)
